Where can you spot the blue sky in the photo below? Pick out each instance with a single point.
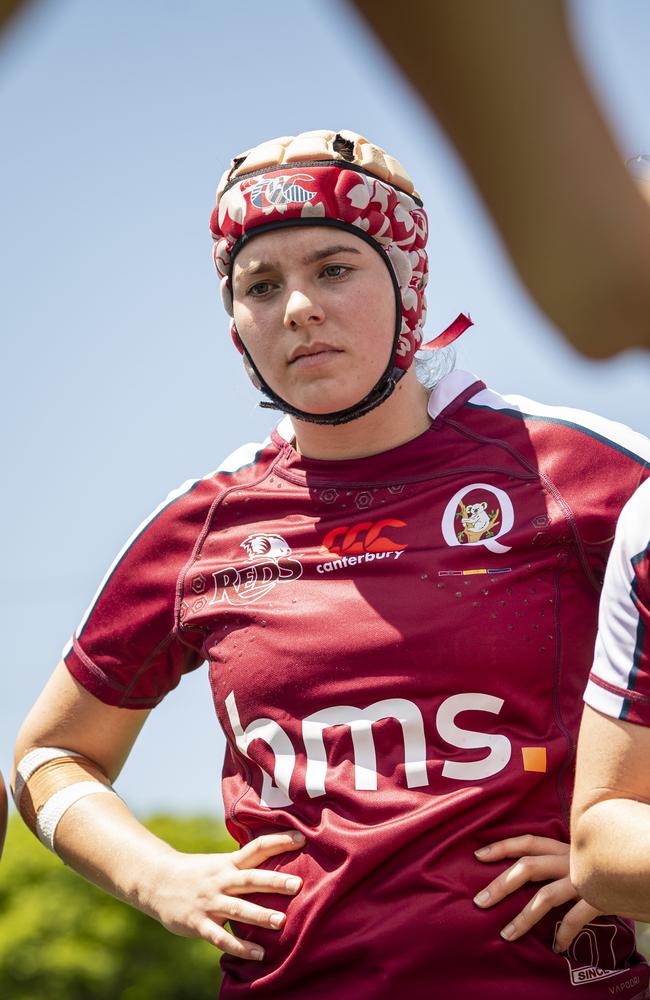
(118, 378)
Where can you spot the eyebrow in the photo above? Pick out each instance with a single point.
(262, 266)
(329, 252)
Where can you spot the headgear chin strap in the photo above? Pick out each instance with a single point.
(330, 179)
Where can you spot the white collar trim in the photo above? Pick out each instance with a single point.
(448, 389)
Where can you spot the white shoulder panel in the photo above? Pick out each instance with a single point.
(618, 434)
(285, 430)
(448, 389)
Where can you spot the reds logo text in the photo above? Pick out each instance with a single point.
(270, 563)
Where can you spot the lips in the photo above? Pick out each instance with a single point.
(314, 351)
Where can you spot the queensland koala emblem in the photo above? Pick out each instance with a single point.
(478, 514)
(477, 521)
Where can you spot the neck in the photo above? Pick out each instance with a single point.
(400, 419)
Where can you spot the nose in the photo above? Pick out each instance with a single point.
(302, 311)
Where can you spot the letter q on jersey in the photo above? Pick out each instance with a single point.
(479, 524)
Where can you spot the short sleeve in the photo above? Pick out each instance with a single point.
(128, 650)
(619, 684)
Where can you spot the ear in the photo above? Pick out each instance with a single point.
(235, 338)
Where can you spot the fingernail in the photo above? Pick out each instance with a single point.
(257, 955)
(482, 852)
(557, 949)
(297, 837)
(293, 884)
(482, 898)
(276, 919)
(508, 932)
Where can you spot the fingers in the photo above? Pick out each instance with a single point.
(572, 922)
(242, 883)
(244, 912)
(204, 891)
(527, 869)
(262, 848)
(539, 859)
(214, 934)
(244, 878)
(231, 908)
(513, 847)
(551, 895)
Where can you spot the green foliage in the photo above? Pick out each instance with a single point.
(63, 939)
(643, 939)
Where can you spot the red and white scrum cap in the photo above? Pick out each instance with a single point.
(338, 179)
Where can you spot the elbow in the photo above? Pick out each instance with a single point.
(581, 865)
(596, 872)
(584, 870)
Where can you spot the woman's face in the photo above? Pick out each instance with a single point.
(315, 308)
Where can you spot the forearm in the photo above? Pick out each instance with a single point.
(504, 81)
(610, 857)
(71, 740)
(103, 841)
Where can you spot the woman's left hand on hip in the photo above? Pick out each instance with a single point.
(539, 859)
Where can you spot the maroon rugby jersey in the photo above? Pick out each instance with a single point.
(619, 684)
(397, 649)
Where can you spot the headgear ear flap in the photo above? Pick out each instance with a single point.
(235, 339)
(250, 371)
(248, 367)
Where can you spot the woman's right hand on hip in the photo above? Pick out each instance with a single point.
(195, 894)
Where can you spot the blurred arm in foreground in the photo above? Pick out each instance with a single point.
(504, 81)
(7, 10)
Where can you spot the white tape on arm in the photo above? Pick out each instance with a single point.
(51, 779)
(52, 812)
(31, 762)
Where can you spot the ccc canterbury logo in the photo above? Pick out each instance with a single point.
(367, 536)
(365, 542)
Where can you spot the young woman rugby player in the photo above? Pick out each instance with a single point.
(396, 595)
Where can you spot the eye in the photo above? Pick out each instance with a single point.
(335, 271)
(259, 289)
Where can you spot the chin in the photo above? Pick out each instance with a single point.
(324, 403)
(327, 395)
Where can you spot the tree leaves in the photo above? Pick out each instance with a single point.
(63, 939)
